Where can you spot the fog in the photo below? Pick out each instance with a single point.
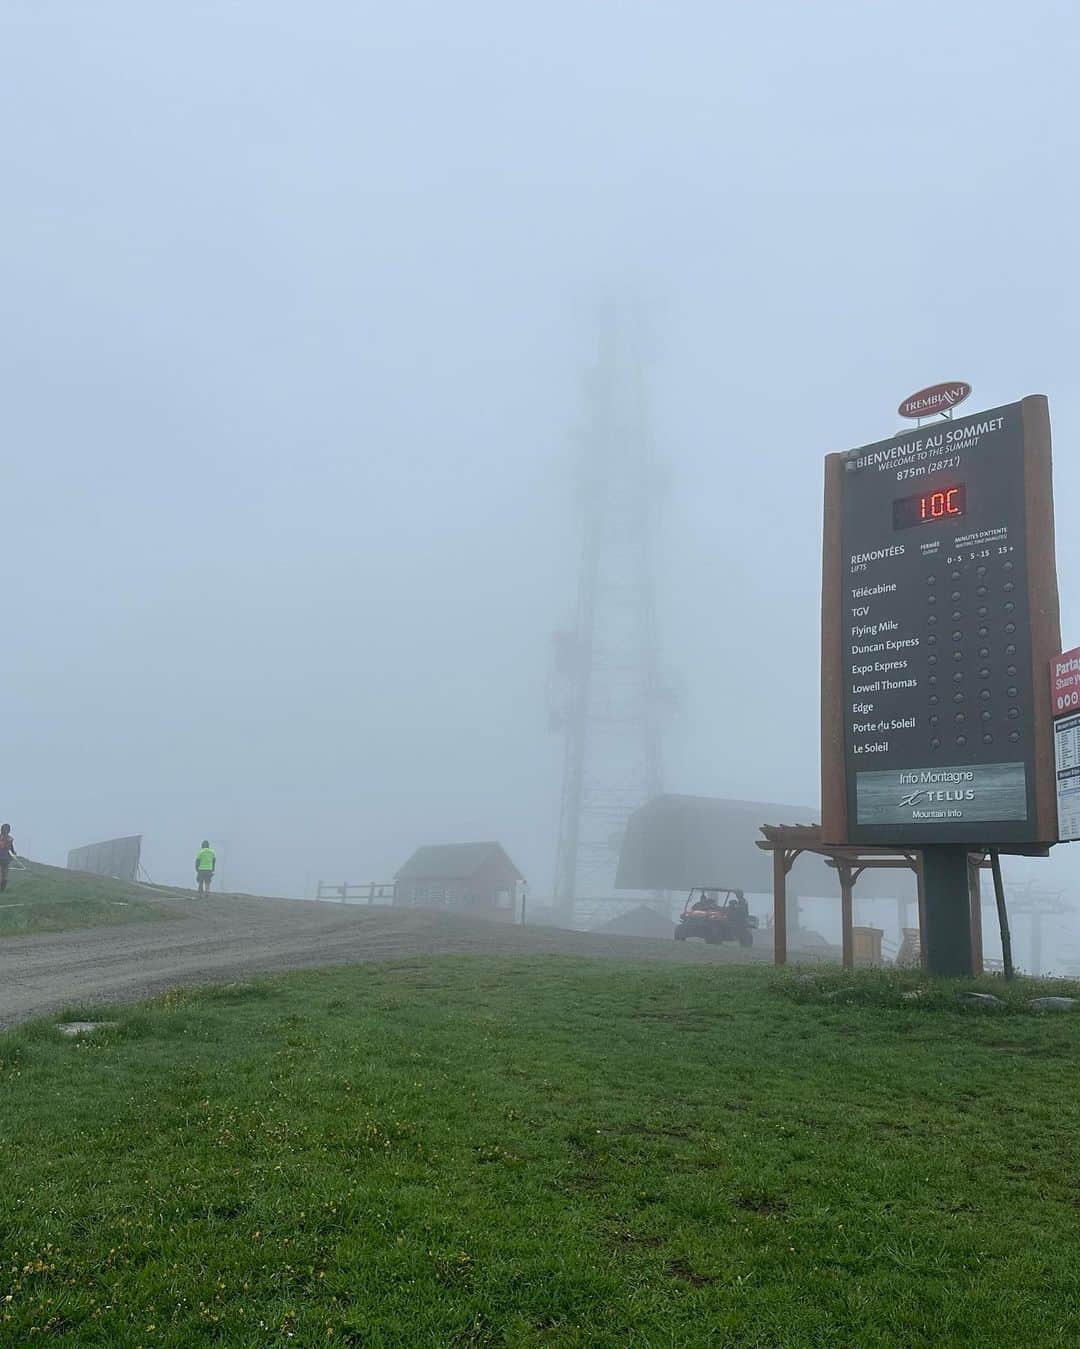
(297, 303)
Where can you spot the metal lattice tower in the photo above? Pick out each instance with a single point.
(607, 691)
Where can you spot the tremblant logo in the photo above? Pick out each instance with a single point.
(938, 398)
(959, 794)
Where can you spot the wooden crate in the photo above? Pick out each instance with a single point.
(866, 945)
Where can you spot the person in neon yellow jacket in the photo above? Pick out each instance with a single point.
(205, 862)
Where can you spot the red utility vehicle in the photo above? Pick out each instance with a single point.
(705, 914)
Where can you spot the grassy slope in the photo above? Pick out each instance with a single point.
(542, 1151)
(50, 899)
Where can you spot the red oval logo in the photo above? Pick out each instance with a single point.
(938, 398)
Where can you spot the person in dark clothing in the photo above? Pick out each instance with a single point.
(7, 852)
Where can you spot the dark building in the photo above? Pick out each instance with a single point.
(678, 842)
(474, 878)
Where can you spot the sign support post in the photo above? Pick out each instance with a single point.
(1003, 914)
(948, 910)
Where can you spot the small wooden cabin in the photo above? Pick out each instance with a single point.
(474, 878)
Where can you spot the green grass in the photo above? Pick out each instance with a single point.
(544, 1151)
(50, 899)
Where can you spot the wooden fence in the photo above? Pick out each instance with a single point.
(365, 892)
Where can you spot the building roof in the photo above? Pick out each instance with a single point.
(643, 921)
(453, 861)
(678, 842)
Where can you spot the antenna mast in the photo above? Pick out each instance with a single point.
(607, 677)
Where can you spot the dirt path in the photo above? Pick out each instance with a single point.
(229, 937)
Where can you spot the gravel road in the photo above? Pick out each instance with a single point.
(233, 936)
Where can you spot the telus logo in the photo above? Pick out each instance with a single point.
(937, 398)
(949, 794)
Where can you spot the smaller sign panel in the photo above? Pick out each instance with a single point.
(118, 857)
(937, 399)
(958, 794)
(1065, 683)
(1067, 768)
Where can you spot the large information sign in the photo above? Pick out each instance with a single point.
(940, 617)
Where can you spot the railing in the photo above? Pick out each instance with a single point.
(910, 951)
(366, 892)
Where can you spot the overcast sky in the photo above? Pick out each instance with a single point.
(296, 301)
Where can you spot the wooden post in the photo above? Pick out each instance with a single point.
(779, 890)
(1003, 917)
(834, 820)
(847, 916)
(975, 898)
(921, 895)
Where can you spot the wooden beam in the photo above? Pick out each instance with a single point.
(869, 863)
(847, 917)
(834, 821)
(1043, 617)
(975, 901)
(779, 890)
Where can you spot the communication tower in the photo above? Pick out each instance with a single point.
(607, 696)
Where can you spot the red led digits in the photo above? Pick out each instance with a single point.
(938, 504)
(944, 504)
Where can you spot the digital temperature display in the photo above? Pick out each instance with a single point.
(947, 503)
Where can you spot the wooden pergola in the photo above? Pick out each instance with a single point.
(787, 842)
